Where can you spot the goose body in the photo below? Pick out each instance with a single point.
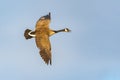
(41, 34)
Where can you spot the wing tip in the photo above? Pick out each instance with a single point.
(46, 56)
(48, 62)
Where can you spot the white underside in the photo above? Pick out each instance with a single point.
(31, 34)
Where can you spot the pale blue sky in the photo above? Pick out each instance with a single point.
(90, 52)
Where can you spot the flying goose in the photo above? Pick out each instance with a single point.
(41, 34)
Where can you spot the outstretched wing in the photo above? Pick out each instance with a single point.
(43, 43)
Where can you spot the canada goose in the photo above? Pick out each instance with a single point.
(41, 35)
(31, 34)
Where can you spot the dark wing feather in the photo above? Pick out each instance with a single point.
(43, 43)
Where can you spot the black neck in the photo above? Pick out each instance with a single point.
(62, 30)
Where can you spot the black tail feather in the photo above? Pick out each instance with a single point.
(26, 35)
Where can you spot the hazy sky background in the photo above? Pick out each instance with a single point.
(90, 52)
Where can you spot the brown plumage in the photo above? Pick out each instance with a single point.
(42, 38)
(41, 35)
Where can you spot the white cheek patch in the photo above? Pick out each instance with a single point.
(66, 30)
(31, 34)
